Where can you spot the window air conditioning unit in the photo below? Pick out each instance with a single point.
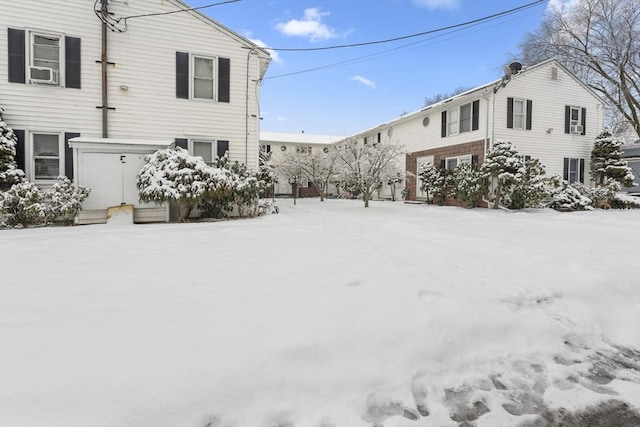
(576, 129)
(44, 75)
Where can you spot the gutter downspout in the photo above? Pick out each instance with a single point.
(103, 60)
(246, 108)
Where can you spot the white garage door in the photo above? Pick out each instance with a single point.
(111, 178)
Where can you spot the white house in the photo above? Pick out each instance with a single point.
(91, 87)
(278, 142)
(543, 109)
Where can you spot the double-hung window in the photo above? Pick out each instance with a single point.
(452, 162)
(465, 118)
(210, 149)
(573, 170)
(45, 59)
(575, 119)
(453, 122)
(203, 81)
(46, 156)
(519, 113)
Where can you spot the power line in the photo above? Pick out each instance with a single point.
(456, 27)
(180, 10)
(450, 27)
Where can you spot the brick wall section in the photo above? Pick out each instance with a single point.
(475, 148)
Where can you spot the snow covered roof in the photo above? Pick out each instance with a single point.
(298, 138)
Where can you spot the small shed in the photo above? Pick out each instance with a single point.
(109, 167)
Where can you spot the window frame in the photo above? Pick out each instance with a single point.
(192, 77)
(522, 115)
(462, 119)
(451, 122)
(213, 143)
(578, 177)
(459, 160)
(33, 157)
(31, 53)
(578, 121)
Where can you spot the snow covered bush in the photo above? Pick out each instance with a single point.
(625, 201)
(530, 188)
(468, 184)
(9, 171)
(504, 168)
(607, 161)
(567, 198)
(65, 200)
(174, 175)
(433, 183)
(24, 204)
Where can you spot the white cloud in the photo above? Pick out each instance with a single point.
(561, 4)
(274, 55)
(309, 26)
(364, 81)
(281, 119)
(438, 4)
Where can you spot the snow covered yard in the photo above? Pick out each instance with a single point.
(324, 315)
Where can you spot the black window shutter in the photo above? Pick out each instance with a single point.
(565, 169)
(224, 79)
(584, 121)
(182, 75)
(72, 62)
(475, 115)
(474, 160)
(443, 125)
(509, 113)
(529, 111)
(567, 118)
(582, 171)
(223, 148)
(20, 148)
(16, 55)
(181, 142)
(443, 163)
(68, 154)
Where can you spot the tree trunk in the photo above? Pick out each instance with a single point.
(187, 212)
(366, 197)
(498, 195)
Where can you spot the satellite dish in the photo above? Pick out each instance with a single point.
(507, 72)
(515, 67)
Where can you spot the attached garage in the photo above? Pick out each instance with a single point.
(109, 168)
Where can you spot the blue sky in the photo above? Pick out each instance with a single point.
(377, 83)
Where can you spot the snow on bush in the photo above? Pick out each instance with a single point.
(468, 184)
(433, 183)
(24, 204)
(9, 171)
(566, 197)
(504, 167)
(531, 187)
(174, 175)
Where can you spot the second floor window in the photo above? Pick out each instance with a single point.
(203, 77)
(45, 59)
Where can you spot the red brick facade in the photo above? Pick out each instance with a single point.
(475, 148)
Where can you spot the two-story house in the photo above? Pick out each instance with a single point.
(544, 110)
(277, 143)
(90, 87)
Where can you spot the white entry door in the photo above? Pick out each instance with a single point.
(111, 178)
(419, 162)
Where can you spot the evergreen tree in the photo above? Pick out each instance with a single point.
(434, 183)
(504, 167)
(9, 172)
(468, 184)
(607, 161)
(532, 188)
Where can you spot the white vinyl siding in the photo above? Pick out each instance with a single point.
(141, 76)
